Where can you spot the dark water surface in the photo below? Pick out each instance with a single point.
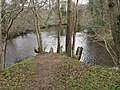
(22, 47)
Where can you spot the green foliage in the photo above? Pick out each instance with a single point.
(24, 62)
(63, 8)
(13, 78)
(100, 16)
(78, 76)
(63, 11)
(73, 75)
(6, 72)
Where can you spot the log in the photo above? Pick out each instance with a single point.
(79, 52)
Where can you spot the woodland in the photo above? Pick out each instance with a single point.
(58, 60)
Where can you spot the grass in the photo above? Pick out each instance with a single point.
(13, 78)
(73, 75)
(79, 76)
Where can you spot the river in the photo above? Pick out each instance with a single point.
(22, 47)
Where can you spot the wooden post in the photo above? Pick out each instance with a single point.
(79, 52)
(51, 50)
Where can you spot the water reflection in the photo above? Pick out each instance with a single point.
(22, 47)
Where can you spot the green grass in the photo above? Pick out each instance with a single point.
(21, 63)
(73, 75)
(13, 78)
(79, 76)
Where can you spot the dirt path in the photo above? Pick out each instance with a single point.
(46, 67)
(47, 73)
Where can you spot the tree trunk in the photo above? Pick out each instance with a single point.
(114, 9)
(69, 29)
(0, 49)
(37, 27)
(4, 40)
(38, 35)
(2, 30)
(59, 27)
(75, 27)
(4, 47)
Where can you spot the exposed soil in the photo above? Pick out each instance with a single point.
(47, 65)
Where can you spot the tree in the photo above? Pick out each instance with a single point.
(105, 15)
(11, 16)
(100, 16)
(114, 9)
(0, 50)
(60, 26)
(0, 43)
(37, 27)
(69, 28)
(75, 27)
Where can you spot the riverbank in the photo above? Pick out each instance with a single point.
(57, 72)
(15, 34)
(21, 32)
(101, 40)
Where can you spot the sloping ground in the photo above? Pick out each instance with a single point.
(36, 75)
(79, 76)
(46, 68)
(55, 72)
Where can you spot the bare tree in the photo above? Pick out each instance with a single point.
(12, 16)
(75, 27)
(0, 42)
(69, 29)
(37, 27)
(60, 26)
(114, 9)
(0, 50)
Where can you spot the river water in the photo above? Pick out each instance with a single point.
(22, 47)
